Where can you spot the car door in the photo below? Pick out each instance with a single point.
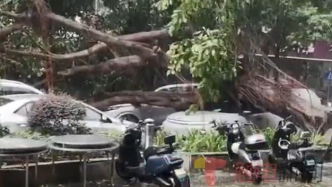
(94, 120)
(18, 120)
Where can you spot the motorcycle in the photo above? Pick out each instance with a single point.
(292, 156)
(149, 164)
(244, 149)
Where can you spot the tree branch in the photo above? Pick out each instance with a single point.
(104, 68)
(137, 37)
(179, 101)
(57, 57)
(100, 36)
(130, 41)
(17, 17)
(4, 32)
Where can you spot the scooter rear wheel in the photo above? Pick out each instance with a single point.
(120, 170)
(307, 177)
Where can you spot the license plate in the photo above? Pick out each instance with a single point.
(257, 163)
(183, 177)
(185, 182)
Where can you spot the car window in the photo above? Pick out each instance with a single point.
(4, 101)
(25, 109)
(10, 90)
(91, 115)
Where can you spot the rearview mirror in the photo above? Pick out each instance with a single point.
(169, 139)
(291, 127)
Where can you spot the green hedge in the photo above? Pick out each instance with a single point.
(195, 141)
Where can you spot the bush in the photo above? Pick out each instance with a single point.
(195, 141)
(57, 115)
(116, 135)
(4, 131)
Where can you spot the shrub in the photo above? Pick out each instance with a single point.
(30, 135)
(116, 135)
(4, 131)
(57, 115)
(195, 141)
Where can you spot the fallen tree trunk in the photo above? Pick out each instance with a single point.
(178, 101)
(104, 68)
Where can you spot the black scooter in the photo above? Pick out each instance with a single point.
(244, 149)
(292, 157)
(157, 165)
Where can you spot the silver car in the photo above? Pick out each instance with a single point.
(11, 87)
(14, 110)
(159, 114)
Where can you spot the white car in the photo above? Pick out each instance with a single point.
(14, 111)
(159, 114)
(10, 87)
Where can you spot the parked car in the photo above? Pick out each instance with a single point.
(159, 114)
(14, 110)
(10, 87)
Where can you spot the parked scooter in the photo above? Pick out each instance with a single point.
(157, 165)
(292, 156)
(244, 149)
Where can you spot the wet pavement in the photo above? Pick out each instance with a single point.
(227, 179)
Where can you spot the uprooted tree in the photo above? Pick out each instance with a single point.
(216, 40)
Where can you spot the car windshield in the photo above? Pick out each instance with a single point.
(249, 129)
(4, 101)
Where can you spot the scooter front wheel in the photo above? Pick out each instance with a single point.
(120, 170)
(175, 182)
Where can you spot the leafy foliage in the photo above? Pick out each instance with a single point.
(195, 141)
(57, 115)
(223, 30)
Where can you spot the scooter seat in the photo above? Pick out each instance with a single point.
(175, 161)
(137, 170)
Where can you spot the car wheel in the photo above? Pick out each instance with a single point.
(130, 117)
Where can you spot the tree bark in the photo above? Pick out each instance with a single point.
(104, 68)
(4, 32)
(178, 101)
